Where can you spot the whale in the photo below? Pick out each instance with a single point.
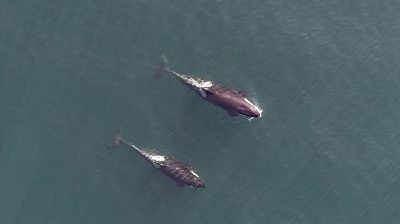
(235, 102)
(182, 175)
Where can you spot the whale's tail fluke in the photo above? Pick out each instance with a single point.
(162, 68)
(117, 140)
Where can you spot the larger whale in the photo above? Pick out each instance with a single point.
(176, 170)
(233, 101)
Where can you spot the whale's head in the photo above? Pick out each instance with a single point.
(249, 109)
(197, 182)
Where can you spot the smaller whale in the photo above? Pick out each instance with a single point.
(181, 174)
(233, 101)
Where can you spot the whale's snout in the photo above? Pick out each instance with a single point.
(200, 184)
(249, 109)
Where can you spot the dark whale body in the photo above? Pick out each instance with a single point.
(233, 101)
(181, 174)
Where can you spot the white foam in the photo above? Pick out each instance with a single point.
(206, 84)
(158, 158)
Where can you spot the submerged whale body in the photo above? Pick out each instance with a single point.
(233, 101)
(181, 174)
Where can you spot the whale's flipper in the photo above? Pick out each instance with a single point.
(161, 68)
(202, 92)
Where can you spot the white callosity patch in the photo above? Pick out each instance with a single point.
(257, 108)
(194, 173)
(152, 156)
(248, 101)
(206, 84)
(199, 82)
(196, 81)
(201, 85)
(157, 158)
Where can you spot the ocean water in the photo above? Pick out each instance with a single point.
(326, 74)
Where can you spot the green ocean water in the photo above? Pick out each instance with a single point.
(326, 74)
